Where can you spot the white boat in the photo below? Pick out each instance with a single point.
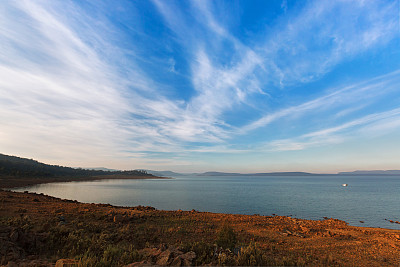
(344, 184)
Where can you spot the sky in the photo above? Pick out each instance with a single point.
(191, 86)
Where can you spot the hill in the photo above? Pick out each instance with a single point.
(23, 167)
(21, 172)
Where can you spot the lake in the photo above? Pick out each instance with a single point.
(371, 199)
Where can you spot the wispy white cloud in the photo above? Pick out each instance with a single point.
(68, 87)
(65, 97)
(342, 97)
(368, 126)
(325, 33)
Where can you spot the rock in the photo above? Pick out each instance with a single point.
(188, 258)
(177, 261)
(164, 258)
(180, 259)
(304, 229)
(150, 253)
(67, 263)
(139, 263)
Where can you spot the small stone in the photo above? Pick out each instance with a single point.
(67, 263)
(177, 261)
(139, 263)
(188, 258)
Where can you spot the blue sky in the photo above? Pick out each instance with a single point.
(246, 86)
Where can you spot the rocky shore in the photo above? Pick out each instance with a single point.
(39, 230)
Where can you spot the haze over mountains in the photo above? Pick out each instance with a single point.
(16, 166)
(354, 173)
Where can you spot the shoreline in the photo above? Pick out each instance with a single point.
(53, 224)
(21, 182)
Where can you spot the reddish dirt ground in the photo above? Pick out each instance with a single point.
(28, 218)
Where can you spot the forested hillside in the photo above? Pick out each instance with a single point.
(22, 167)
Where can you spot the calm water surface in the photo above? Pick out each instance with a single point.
(371, 199)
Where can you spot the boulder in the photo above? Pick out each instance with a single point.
(164, 258)
(187, 258)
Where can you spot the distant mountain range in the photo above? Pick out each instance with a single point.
(166, 173)
(16, 166)
(354, 173)
(256, 174)
(376, 172)
(173, 174)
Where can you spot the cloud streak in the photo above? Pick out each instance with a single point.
(73, 84)
(377, 123)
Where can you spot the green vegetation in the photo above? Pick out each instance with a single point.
(227, 238)
(251, 256)
(98, 241)
(22, 167)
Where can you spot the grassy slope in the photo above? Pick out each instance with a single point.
(103, 235)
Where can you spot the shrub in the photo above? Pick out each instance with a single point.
(204, 252)
(226, 238)
(251, 256)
